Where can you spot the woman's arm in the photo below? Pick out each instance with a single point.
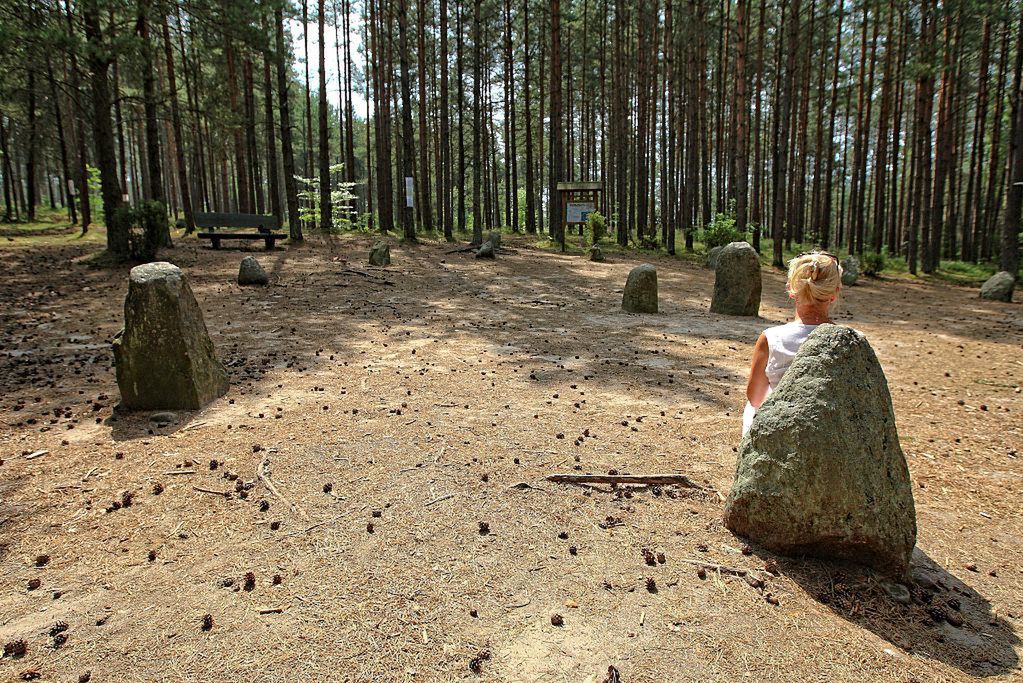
(756, 388)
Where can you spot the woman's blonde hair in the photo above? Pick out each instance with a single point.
(815, 277)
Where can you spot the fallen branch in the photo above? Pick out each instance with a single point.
(651, 479)
(437, 500)
(271, 610)
(37, 454)
(180, 472)
(264, 477)
(225, 494)
(724, 569)
(462, 250)
(317, 525)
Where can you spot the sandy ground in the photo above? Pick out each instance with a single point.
(433, 396)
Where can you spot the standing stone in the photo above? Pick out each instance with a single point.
(251, 273)
(164, 357)
(641, 290)
(821, 471)
(380, 255)
(494, 237)
(850, 270)
(486, 250)
(737, 281)
(712, 257)
(999, 287)
(596, 253)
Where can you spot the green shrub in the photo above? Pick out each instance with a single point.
(722, 231)
(872, 264)
(597, 225)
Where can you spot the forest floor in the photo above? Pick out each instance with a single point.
(434, 396)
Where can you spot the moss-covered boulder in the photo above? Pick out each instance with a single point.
(164, 357)
(640, 294)
(821, 471)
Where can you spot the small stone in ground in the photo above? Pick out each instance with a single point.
(250, 272)
(999, 287)
(897, 592)
(737, 281)
(380, 255)
(596, 254)
(640, 294)
(164, 418)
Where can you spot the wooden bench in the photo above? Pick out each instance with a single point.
(265, 226)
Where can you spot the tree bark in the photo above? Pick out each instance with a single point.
(287, 152)
(103, 134)
(326, 221)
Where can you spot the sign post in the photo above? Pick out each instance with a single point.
(578, 201)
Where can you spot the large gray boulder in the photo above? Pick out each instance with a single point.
(251, 273)
(737, 282)
(380, 255)
(494, 237)
(641, 290)
(850, 270)
(999, 287)
(820, 471)
(712, 257)
(164, 357)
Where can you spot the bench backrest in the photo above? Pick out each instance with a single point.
(235, 220)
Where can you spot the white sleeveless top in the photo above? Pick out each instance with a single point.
(783, 343)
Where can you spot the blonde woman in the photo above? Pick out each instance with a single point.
(815, 279)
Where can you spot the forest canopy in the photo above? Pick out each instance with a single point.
(879, 127)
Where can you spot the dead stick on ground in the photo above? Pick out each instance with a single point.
(724, 569)
(317, 525)
(437, 500)
(180, 472)
(271, 610)
(225, 494)
(264, 477)
(653, 479)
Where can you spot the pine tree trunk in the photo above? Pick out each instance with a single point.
(1009, 259)
(425, 198)
(61, 141)
(172, 84)
(287, 151)
(527, 102)
(556, 216)
(271, 142)
(407, 163)
(326, 219)
(103, 134)
(445, 128)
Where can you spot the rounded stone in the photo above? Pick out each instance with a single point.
(850, 270)
(737, 282)
(999, 287)
(640, 294)
(250, 272)
(380, 255)
(821, 471)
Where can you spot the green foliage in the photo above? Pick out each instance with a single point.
(872, 264)
(342, 199)
(146, 226)
(722, 231)
(597, 225)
